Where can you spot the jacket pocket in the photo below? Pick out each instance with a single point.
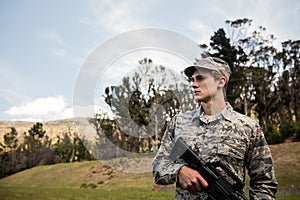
(232, 146)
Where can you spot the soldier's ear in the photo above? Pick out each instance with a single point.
(222, 81)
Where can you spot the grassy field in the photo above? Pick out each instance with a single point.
(92, 180)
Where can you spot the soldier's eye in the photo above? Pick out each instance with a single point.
(197, 78)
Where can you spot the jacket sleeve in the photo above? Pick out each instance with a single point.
(164, 169)
(263, 184)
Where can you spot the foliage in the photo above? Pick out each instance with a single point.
(289, 129)
(221, 47)
(265, 84)
(37, 149)
(143, 103)
(10, 140)
(273, 135)
(84, 185)
(265, 81)
(90, 185)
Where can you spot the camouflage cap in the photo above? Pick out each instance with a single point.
(211, 63)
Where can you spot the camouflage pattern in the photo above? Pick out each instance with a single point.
(211, 63)
(233, 138)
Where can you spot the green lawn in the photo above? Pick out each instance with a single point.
(30, 193)
(64, 181)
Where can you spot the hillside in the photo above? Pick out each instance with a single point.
(72, 175)
(52, 128)
(65, 181)
(67, 175)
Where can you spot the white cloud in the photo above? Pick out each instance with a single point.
(118, 16)
(67, 113)
(40, 109)
(51, 108)
(52, 37)
(28, 119)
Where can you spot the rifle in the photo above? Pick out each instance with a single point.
(218, 187)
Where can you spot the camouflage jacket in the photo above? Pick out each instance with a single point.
(233, 138)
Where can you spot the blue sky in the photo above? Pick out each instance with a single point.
(45, 43)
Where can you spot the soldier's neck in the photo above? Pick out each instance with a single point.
(213, 107)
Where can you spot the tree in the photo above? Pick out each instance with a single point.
(80, 151)
(10, 140)
(263, 98)
(64, 148)
(9, 154)
(265, 83)
(144, 102)
(220, 47)
(36, 148)
(284, 95)
(291, 61)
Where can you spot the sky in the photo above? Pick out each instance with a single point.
(44, 45)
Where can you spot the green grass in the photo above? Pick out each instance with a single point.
(64, 181)
(288, 197)
(29, 193)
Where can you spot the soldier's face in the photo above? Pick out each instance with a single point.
(204, 85)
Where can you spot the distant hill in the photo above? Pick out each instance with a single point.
(52, 128)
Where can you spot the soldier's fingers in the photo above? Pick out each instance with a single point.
(203, 182)
(197, 187)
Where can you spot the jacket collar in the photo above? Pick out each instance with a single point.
(226, 113)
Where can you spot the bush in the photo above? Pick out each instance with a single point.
(92, 185)
(272, 134)
(289, 129)
(83, 185)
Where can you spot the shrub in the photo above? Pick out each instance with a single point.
(289, 129)
(83, 185)
(92, 185)
(272, 134)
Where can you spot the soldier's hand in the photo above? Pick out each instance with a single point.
(191, 180)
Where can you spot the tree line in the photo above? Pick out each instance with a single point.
(34, 147)
(265, 85)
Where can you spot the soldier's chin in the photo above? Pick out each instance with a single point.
(197, 100)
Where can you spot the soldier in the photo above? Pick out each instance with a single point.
(215, 132)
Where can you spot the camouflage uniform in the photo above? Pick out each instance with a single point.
(233, 138)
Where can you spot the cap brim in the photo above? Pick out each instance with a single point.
(189, 71)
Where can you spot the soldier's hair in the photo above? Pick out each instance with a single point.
(218, 75)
